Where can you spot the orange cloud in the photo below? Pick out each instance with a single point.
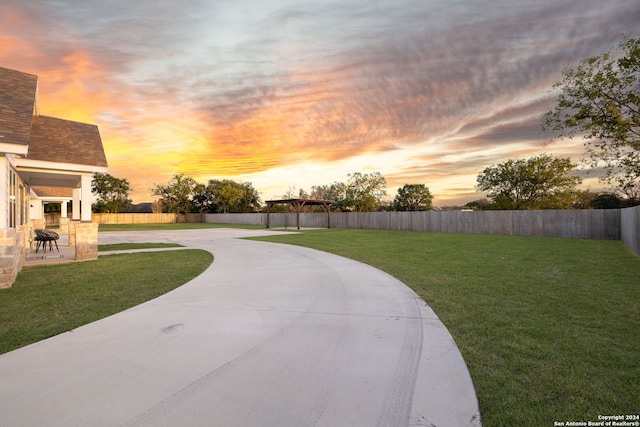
(421, 94)
(77, 90)
(71, 84)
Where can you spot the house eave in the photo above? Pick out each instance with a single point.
(52, 174)
(19, 149)
(23, 164)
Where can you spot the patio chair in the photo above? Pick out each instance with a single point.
(46, 236)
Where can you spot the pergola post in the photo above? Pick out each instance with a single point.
(327, 206)
(268, 211)
(298, 204)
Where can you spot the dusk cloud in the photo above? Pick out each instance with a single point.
(429, 91)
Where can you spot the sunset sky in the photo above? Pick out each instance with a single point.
(291, 93)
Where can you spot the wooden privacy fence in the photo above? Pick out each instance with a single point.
(588, 224)
(630, 228)
(604, 224)
(144, 218)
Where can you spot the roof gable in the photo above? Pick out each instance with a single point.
(65, 141)
(17, 100)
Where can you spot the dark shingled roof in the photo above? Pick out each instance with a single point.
(139, 208)
(17, 100)
(64, 141)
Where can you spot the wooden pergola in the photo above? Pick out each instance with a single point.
(298, 204)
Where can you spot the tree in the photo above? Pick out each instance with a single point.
(582, 199)
(540, 182)
(177, 195)
(479, 205)
(342, 201)
(336, 192)
(413, 197)
(250, 201)
(607, 201)
(364, 192)
(222, 196)
(293, 194)
(600, 101)
(361, 193)
(113, 193)
(202, 199)
(322, 192)
(226, 193)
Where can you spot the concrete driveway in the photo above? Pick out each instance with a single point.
(269, 335)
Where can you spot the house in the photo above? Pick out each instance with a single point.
(38, 154)
(146, 208)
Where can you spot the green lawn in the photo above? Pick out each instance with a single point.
(172, 226)
(48, 300)
(549, 328)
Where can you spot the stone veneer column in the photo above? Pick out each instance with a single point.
(86, 240)
(64, 225)
(10, 256)
(72, 232)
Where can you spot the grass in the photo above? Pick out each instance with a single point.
(172, 226)
(548, 327)
(48, 300)
(130, 246)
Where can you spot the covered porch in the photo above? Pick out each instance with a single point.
(53, 182)
(50, 184)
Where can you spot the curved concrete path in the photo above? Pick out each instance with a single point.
(269, 335)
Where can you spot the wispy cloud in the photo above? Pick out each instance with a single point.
(241, 88)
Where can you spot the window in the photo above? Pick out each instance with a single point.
(12, 197)
(18, 201)
(24, 204)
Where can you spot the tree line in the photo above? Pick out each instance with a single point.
(367, 192)
(598, 100)
(362, 192)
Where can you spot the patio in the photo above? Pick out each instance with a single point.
(66, 253)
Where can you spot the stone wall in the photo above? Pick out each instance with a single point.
(86, 240)
(12, 244)
(63, 228)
